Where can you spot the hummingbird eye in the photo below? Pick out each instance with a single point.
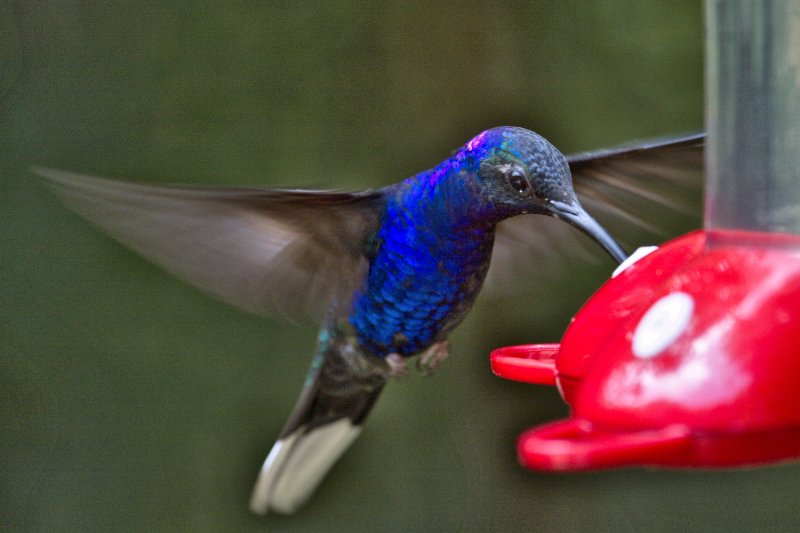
(517, 180)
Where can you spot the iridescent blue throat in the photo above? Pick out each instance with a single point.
(427, 260)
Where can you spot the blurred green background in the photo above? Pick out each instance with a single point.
(131, 402)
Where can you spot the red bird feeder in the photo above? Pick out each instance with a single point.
(685, 358)
(688, 356)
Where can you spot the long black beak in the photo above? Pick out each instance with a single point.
(575, 215)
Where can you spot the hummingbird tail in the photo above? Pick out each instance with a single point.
(339, 394)
(298, 463)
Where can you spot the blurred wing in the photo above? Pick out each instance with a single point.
(262, 250)
(642, 194)
(652, 190)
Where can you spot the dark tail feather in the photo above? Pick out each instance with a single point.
(339, 393)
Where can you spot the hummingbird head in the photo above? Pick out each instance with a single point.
(520, 172)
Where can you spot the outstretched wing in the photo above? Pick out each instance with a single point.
(646, 190)
(641, 193)
(261, 250)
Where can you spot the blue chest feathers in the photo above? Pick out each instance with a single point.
(427, 265)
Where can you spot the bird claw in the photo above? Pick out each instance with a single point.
(430, 360)
(397, 365)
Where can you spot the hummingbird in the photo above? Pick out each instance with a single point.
(388, 273)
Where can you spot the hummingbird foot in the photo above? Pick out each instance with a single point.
(397, 365)
(430, 360)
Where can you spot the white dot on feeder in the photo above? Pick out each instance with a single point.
(662, 324)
